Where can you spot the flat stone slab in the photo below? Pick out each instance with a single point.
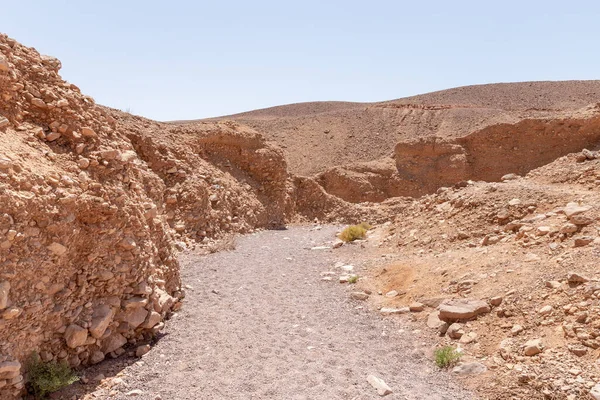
(462, 309)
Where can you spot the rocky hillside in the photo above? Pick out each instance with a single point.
(96, 203)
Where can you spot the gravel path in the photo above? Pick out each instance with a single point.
(259, 323)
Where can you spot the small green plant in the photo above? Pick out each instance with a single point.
(47, 377)
(446, 356)
(353, 279)
(354, 232)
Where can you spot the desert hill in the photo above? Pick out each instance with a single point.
(321, 135)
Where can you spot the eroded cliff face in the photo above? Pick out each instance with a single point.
(94, 204)
(421, 166)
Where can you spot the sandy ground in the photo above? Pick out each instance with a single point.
(259, 323)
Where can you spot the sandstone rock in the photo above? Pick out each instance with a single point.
(391, 294)
(579, 351)
(455, 331)
(164, 301)
(4, 122)
(553, 284)
(568, 228)
(509, 177)
(391, 310)
(102, 317)
(141, 350)
(4, 67)
(9, 366)
(462, 309)
(133, 316)
(595, 392)
(580, 219)
(134, 302)
(468, 338)
(112, 343)
(583, 241)
(516, 329)
(152, 319)
(416, 307)
(51, 137)
(88, 132)
(533, 347)
(75, 336)
(496, 301)
(545, 310)
(574, 208)
(4, 290)
(134, 392)
(11, 313)
(434, 321)
(574, 277)
(96, 357)
(379, 384)
(472, 368)
(359, 295)
(543, 230)
(57, 248)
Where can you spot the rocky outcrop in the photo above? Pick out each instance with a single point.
(95, 204)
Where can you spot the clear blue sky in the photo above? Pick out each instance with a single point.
(191, 59)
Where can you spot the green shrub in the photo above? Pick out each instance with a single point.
(353, 279)
(354, 232)
(446, 356)
(47, 377)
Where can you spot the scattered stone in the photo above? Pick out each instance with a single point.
(568, 228)
(543, 230)
(88, 132)
(472, 368)
(391, 294)
(509, 177)
(7, 367)
(57, 248)
(583, 241)
(468, 338)
(516, 329)
(455, 331)
(496, 301)
(359, 295)
(416, 307)
(141, 350)
(379, 384)
(4, 67)
(574, 209)
(595, 392)
(101, 318)
(574, 277)
(545, 310)
(134, 392)
(462, 309)
(533, 347)
(434, 321)
(75, 336)
(4, 290)
(553, 284)
(390, 310)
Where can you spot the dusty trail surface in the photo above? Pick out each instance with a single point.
(259, 323)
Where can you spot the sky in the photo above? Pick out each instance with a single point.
(171, 60)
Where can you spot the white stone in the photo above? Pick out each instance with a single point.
(379, 384)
